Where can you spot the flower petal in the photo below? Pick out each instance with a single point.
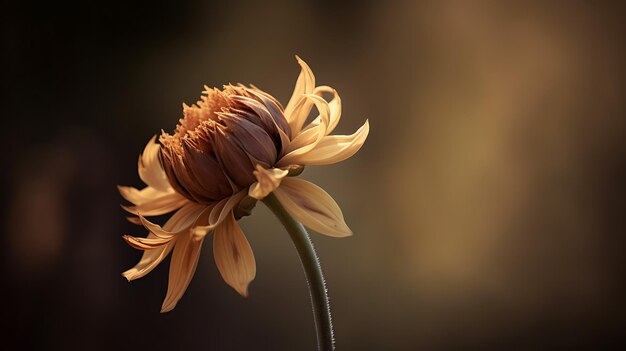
(233, 255)
(149, 260)
(233, 158)
(153, 256)
(182, 220)
(149, 167)
(205, 172)
(306, 137)
(173, 164)
(253, 139)
(138, 197)
(182, 267)
(263, 117)
(161, 205)
(334, 148)
(305, 102)
(304, 85)
(217, 214)
(274, 107)
(134, 220)
(312, 206)
(146, 243)
(314, 135)
(267, 181)
(334, 105)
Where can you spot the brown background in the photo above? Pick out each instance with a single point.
(487, 203)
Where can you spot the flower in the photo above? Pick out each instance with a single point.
(231, 148)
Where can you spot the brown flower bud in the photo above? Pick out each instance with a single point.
(217, 145)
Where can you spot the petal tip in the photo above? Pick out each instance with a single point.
(168, 305)
(199, 232)
(243, 291)
(128, 275)
(267, 181)
(127, 238)
(168, 308)
(134, 220)
(130, 209)
(346, 233)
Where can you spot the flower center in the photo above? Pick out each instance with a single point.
(220, 140)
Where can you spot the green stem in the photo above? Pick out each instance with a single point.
(312, 271)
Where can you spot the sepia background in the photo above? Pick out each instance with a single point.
(487, 203)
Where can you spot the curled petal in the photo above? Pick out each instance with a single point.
(161, 205)
(306, 137)
(313, 136)
(296, 108)
(182, 267)
(157, 247)
(267, 181)
(305, 101)
(233, 255)
(150, 259)
(134, 220)
(146, 243)
(220, 212)
(149, 167)
(138, 197)
(312, 206)
(335, 108)
(217, 214)
(182, 220)
(335, 148)
(334, 105)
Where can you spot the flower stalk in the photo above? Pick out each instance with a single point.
(313, 272)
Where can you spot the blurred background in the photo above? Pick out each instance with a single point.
(487, 203)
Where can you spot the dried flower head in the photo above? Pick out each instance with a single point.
(231, 148)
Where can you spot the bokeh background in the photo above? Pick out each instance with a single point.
(487, 203)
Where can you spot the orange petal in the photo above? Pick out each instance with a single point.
(158, 206)
(149, 260)
(149, 167)
(335, 148)
(182, 267)
(153, 256)
(218, 213)
(138, 197)
(312, 206)
(267, 181)
(134, 220)
(233, 255)
(313, 135)
(334, 106)
(324, 112)
(306, 137)
(181, 221)
(296, 108)
(146, 243)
